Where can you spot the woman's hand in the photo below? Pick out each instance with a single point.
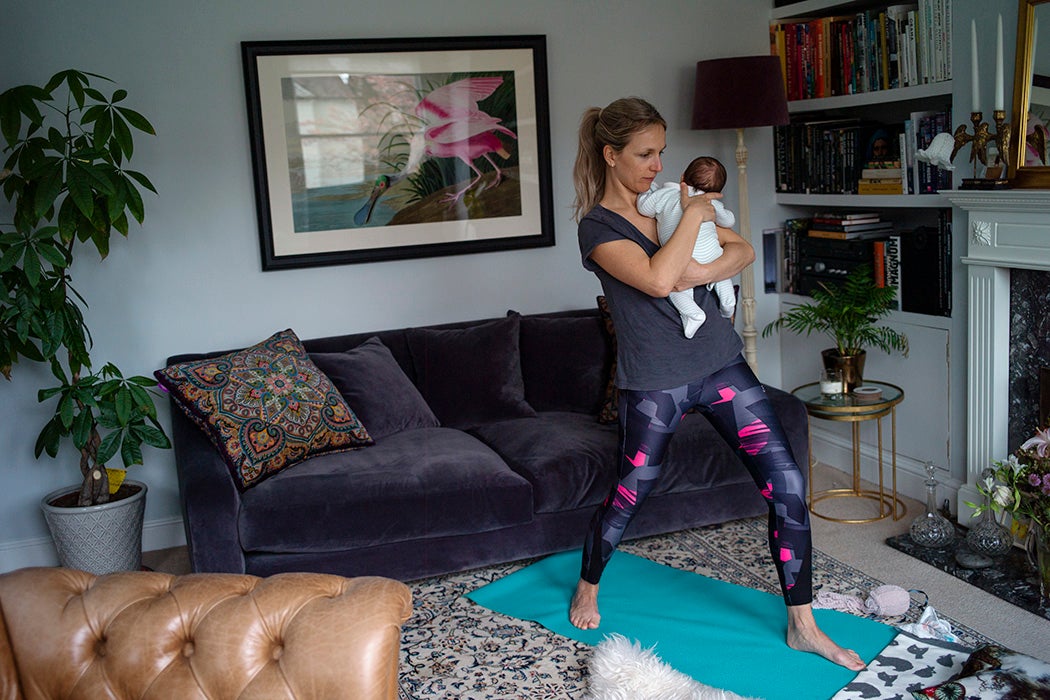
(700, 203)
(736, 255)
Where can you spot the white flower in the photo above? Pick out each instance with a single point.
(1013, 463)
(1003, 496)
(988, 483)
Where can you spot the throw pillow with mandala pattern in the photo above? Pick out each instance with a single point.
(265, 408)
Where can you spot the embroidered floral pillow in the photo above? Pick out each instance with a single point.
(265, 408)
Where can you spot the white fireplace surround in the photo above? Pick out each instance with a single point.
(1005, 229)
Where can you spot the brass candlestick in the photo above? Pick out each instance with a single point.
(978, 141)
(1002, 145)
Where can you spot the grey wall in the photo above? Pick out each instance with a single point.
(190, 278)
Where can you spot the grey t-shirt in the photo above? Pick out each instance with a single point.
(653, 352)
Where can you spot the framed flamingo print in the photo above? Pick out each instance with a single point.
(382, 149)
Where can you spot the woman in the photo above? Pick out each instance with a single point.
(662, 374)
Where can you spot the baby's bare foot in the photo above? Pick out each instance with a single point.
(804, 635)
(583, 611)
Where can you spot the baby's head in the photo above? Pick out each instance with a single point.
(705, 173)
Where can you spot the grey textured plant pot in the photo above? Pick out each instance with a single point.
(98, 539)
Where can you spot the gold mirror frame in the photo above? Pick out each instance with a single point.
(1021, 175)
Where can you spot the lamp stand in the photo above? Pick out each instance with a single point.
(747, 276)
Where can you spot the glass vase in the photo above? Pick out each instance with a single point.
(931, 529)
(987, 536)
(1039, 556)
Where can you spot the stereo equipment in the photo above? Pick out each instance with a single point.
(828, 261)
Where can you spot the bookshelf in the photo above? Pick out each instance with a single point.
(932, 411)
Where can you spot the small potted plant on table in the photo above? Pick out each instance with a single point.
(848, 313)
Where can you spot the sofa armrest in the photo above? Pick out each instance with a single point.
(210, 500)
(138, 634)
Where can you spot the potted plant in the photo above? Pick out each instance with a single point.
(848, 313)
(65, 177)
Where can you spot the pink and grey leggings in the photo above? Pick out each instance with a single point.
(736, 404)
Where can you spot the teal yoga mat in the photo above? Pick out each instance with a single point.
(721, 634)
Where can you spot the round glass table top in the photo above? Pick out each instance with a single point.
(888, 395)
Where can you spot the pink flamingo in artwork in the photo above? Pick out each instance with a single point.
(454, 128)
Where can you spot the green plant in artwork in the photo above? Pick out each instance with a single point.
(65, 177)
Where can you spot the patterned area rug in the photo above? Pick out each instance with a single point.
(452, 648)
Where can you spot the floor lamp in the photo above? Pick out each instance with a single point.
(737, 93)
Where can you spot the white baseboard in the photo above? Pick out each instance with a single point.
(837, 452)
(40, 551)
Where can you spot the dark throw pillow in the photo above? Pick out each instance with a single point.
(265, 408)
(377, 389)
(471, 375)
(558, 362)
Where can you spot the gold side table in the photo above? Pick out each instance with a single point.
(854, 410)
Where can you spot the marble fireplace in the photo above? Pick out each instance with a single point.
(1007, 230)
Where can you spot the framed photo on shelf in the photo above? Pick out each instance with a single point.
(382, 149)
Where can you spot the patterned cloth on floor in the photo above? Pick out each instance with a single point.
(908, 663)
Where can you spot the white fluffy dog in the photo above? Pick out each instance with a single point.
(623, 670)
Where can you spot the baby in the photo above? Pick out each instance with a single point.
(704, 174)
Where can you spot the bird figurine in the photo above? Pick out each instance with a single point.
(961, 139)
(454, 127)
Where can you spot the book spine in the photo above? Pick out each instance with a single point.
(892, 265)
(837, 235)
(771, 259)
(879, 262)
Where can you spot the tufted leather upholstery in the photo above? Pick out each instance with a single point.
(70, 634)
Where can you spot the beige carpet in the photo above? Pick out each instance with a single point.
(863, 547)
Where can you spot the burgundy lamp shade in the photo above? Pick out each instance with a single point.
(736, 93)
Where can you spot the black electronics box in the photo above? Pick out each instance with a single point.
(828, 261)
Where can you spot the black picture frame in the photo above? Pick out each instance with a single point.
(451, 135)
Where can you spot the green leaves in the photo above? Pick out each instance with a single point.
(119, 410)
(848, 313)
(66, 149)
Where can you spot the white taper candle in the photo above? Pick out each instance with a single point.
(974, 83)
(999, 65)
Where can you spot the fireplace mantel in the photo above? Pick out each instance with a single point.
(1004, 229)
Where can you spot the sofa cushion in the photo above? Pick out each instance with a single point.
(376, 388)
(563, 362)
(569, 458)
(265, 408)
(429, 482)
(470, 375)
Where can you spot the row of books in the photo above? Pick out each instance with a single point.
(916, 261)
(875, 49)
(918, 132)
(839, 156)
(848, 226)
(883, 177)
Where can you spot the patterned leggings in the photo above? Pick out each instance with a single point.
(736, 404)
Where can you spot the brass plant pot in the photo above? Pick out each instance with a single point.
(852, 366)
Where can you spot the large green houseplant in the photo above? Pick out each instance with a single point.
(848, 313)
(67, 186)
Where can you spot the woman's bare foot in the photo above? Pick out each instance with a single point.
(804, 635)
(583, 611)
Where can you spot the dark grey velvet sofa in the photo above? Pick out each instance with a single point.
(515, 468)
